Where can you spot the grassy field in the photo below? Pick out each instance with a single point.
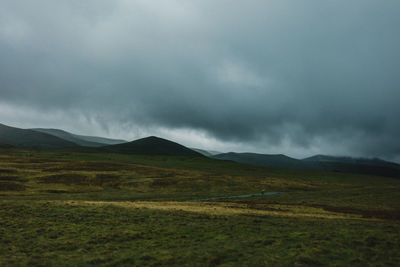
(60, 208)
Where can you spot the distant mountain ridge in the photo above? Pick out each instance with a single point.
(82, 140)
(102, 140)
(68, 136)
(374, 166)
(39, 138)
(25, 138)
(318, 162)
(351, 160)
(265, 160)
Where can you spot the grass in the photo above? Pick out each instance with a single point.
(62, 209)
(49, 233)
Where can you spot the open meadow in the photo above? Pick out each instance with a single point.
(65, 208)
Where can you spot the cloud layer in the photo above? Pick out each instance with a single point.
(291, 76)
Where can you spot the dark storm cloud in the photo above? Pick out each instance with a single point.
(258, 73)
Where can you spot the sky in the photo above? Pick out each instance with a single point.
(278, 76)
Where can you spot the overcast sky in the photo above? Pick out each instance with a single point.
(281, 76)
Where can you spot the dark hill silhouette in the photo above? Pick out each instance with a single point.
(152, 146)
(23, 138)
(265, 160)
(351, 160)
(319, 162)
(374, 166)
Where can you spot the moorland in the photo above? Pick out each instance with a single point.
(72, 206)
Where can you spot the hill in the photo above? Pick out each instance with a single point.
(265, 160)
(82, 140)
(372, 166)
(351, 160)
(68, 136)
(152, 146)
(318, 162)
(25, 138)
(101, 140)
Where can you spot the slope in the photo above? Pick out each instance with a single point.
(101, 140)
(68, 136)
(266, 160)
(152, 146)
(373, 166)
(319, 162)
(25, 138)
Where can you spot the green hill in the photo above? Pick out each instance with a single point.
(152, 146)
(24, 138)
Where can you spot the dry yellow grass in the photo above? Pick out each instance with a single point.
(223, 208)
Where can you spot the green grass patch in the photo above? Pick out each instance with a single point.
(11, 186)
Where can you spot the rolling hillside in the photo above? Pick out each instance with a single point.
(351, 160)
(265, 160)
(319, 162)
(373, 166)
(68, 136)
(101, 140)
(152, 146)
(89, 141)
(54, 138)
(24, 138)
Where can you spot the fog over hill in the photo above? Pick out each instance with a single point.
(89, 141)
(68, 136)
